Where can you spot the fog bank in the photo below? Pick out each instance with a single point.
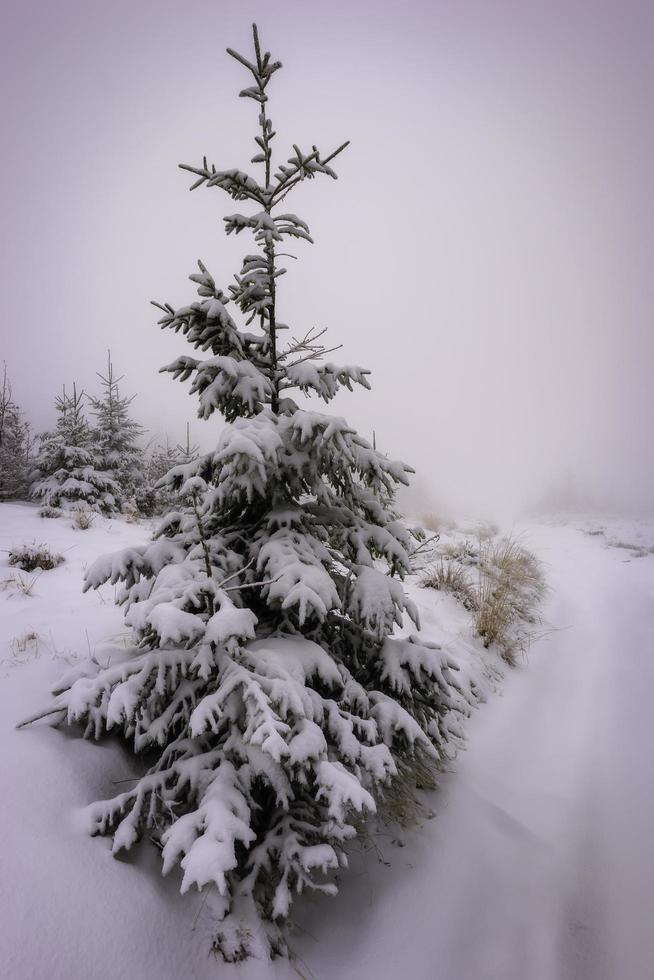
(486, 251)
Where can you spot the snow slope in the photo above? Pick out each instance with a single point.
(537, 865)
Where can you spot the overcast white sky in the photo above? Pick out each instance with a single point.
(487, 250)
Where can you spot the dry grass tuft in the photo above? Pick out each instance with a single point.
(511, 584)
(432, 522)
(130, 511)
(485, 530)
(21, 583)
(32, 556)
(449, 576)
(30, 645)
(49, 512)
(26, 643)
(83, 518)
(24, 650)
(436, 522)
(464, 551)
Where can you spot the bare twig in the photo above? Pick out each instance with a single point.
(38, 717)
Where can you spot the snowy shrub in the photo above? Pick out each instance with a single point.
(49, 512)
(148, 502)
(271, 702)
(28, 557)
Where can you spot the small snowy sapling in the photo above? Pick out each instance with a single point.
(66, 473)
(265, 689)
(115, 436)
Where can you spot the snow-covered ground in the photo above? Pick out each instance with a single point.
(537, 864)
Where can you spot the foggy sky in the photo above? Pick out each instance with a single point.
(486, 251)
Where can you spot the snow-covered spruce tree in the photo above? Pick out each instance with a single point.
(66, 472)
(272, 702)
(116, 435)
(15, 445)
